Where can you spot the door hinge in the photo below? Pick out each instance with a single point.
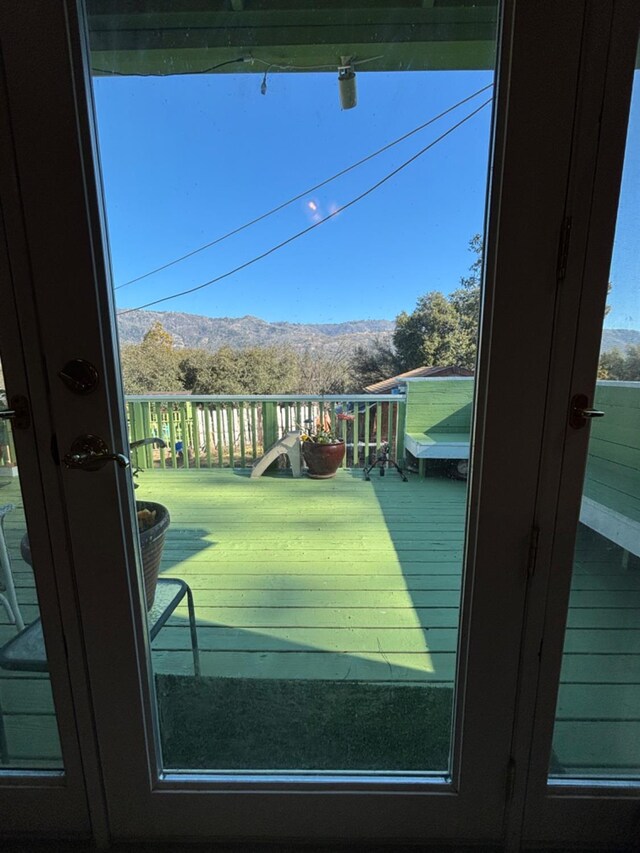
(563, 248)
(510, 780)
(533, 551)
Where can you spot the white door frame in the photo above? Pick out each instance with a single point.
(61, 206)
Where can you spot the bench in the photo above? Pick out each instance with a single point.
(611, 495)
(438, 418)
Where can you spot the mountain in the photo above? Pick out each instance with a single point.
(619, 339)
(211, 333)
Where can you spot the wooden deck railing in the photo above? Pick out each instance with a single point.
(215, 431)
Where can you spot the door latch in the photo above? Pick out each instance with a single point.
(90, 453)
(580, 413)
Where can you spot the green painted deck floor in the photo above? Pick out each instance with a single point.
(343, 579)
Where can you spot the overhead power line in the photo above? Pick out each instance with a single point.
(306, 192)
(109, 72)
(250, 60)
(315, 224)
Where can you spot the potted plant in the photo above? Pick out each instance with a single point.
(322, 451)
(153, 521)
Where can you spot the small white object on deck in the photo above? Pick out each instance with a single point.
(289, 446)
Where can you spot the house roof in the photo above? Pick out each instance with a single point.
(388, 385)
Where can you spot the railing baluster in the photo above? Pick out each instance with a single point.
(367, 407)
(243, 461)
(220, 436)
(172, 435)
(254, 432)
(400, 423)
(269, 424)
(158, 416)
(230, 417)
(146, 425)
(185, 435)
(207, 429)
(195, 417)
(356, 434)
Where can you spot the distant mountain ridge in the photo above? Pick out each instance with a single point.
(211, 333)
(619, 339)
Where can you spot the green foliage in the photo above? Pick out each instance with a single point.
(156, 366)
(151, 366)
(258, 370)
(442, 330)
(371, 364)
(622, 366)
(157, 338)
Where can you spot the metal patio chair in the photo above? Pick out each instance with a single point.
(7, 589)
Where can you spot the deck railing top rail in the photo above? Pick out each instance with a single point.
(264, 398)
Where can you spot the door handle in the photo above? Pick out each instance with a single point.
(90, 453)
(581, 413)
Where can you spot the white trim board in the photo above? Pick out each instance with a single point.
(440, 449)
(620, 529)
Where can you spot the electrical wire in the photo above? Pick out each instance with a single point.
(248, 59)
(310, 67)
(112, 73)
(313, 189)
(315, 224)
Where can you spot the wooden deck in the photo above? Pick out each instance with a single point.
(343, 579)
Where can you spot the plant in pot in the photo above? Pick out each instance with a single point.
(153, 521)
(322, 451)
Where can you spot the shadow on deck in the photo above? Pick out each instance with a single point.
(343, 580)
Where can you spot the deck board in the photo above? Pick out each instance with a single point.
(343, 579)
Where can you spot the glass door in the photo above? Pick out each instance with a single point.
(47, 741)
(584, 775)
(273, 655)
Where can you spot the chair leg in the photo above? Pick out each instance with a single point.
(194, 632)
(4, 749)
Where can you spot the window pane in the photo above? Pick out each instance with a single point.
(28, 728)
(296, 206)
(597, 730)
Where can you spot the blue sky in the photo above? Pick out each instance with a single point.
(187, 158)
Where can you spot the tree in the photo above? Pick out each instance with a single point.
(442, 330)
(621, 366)
(373, 364)
(152, 365)
(157, 338)
(255, 370)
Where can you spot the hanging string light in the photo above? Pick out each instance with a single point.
(347, 84)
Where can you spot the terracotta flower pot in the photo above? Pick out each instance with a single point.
(323, 460)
